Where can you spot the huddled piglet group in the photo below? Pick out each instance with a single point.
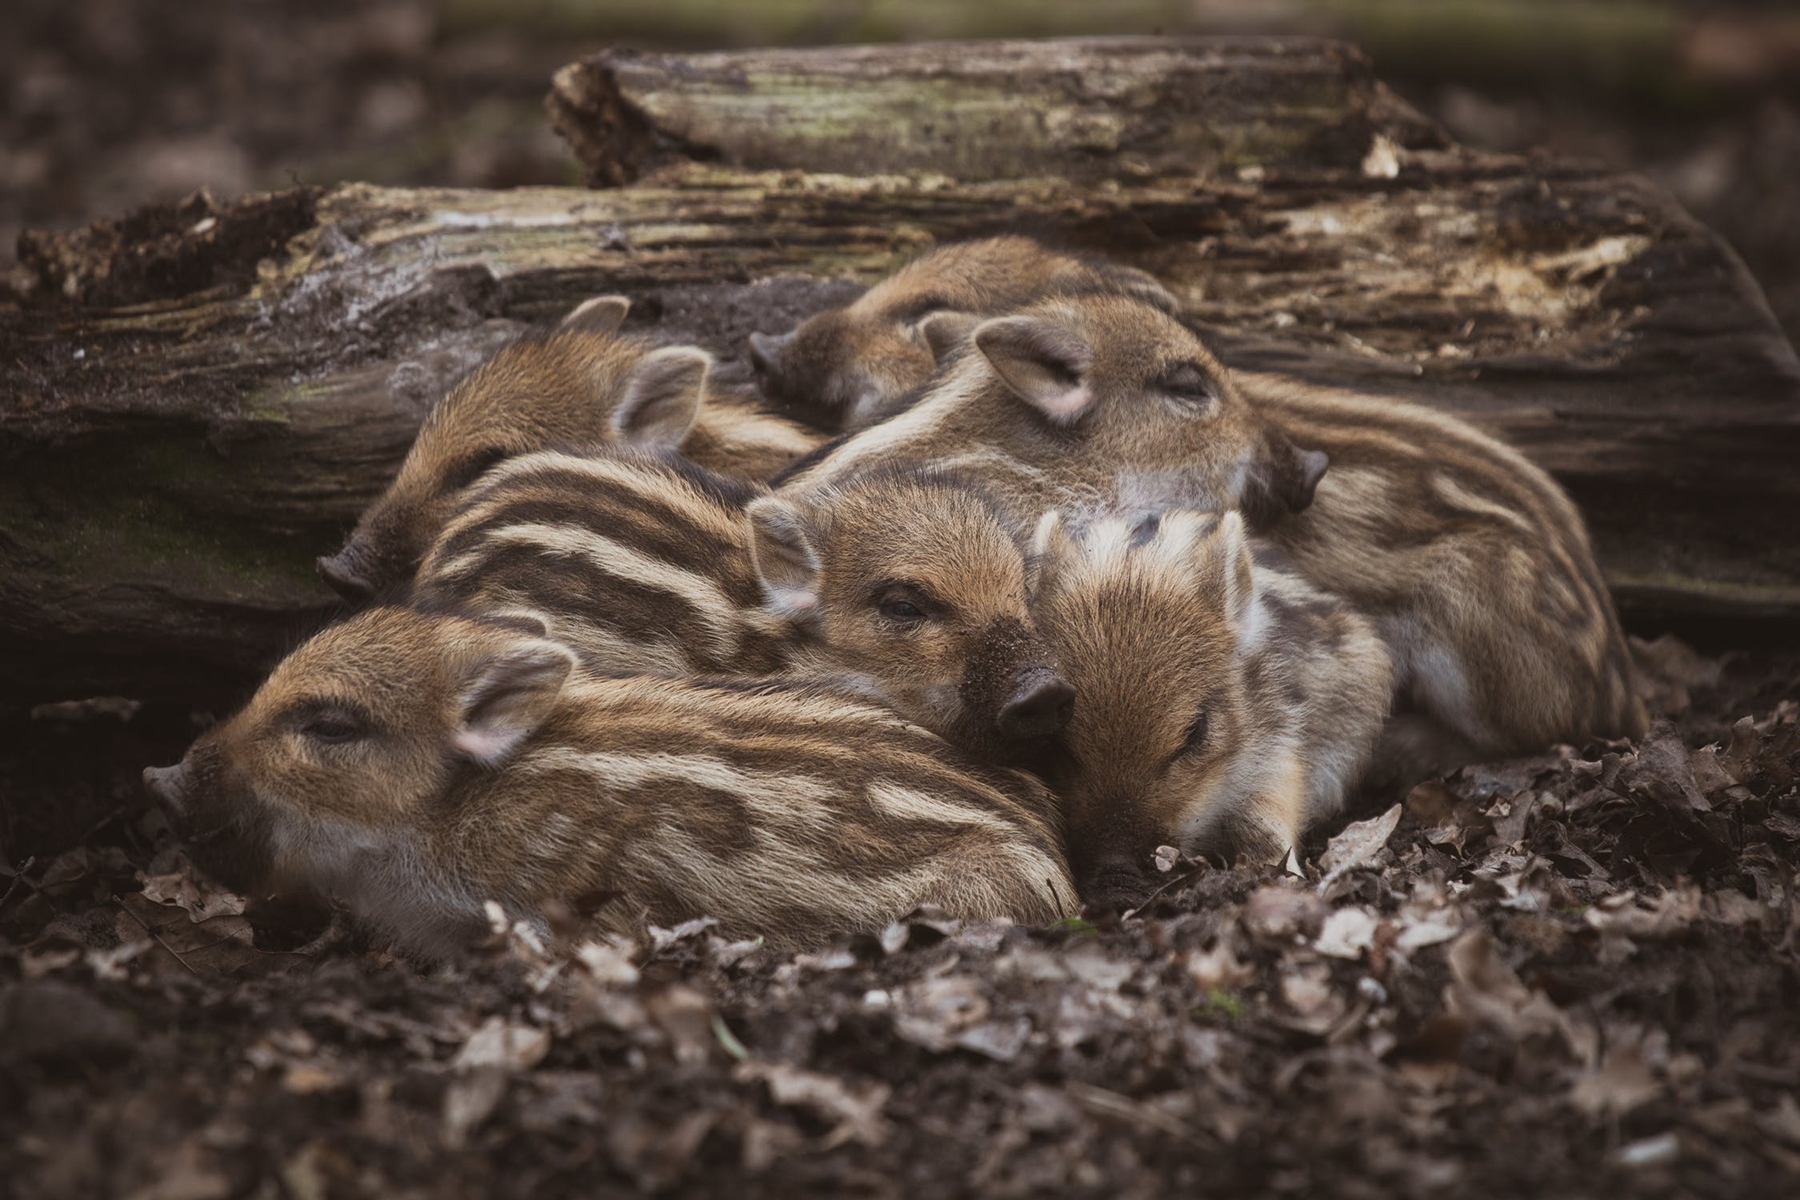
(1002, 585)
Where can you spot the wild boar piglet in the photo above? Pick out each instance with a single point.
(848, 367)
(911, 585)
(579, 385)
(1079, 402)
(414, 766)
(1224, 704)
(1476, 568)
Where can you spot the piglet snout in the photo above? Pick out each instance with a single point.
(168, 786)
(1114, 884)
(345, 573)
(1040, 706)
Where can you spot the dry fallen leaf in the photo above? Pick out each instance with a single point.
(855, 1107)
(469, 1100)
(1089, 962)
(998, 1040)
(498, 1043)
(1627, 914)
(198, 898)
(685, 1017)
(191, 1172)
(1662, 771)
(224, 944)
(658, 1152)
(607, 964)
(1347, 933)
(1485, 989)
(661, 939)
(1280, 914)
(1358, 846)
(933, 1012)
(1218, 968)
(1420, 927)
(1447, 818)
(1316, 1005)
(1623, 1082)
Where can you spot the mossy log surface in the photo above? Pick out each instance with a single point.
(197, 400)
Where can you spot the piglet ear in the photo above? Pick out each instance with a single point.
(1219, 549)
(1043, 363)
(944, 332)
(782, 549)
(1284, 480)
(766, 349)
(1240, 574)
(662, 396)
(507, 697)
(602, 314)
(1053, 549)
(1141, 285)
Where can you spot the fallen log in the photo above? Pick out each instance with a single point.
(1089, 110)
(197, 399)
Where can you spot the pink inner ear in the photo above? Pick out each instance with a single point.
(486, 746)
(1066, 407)
(793, 602)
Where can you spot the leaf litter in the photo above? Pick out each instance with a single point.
(1556, 975)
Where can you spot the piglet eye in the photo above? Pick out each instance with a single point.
(1189, 385)
(333, 729)
(896, 609)
(1196, 735)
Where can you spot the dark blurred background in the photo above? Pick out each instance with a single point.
(108, 103)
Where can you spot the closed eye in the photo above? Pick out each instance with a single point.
(330, 722)
(332, 730)
(1189, 385)
(902, 603)
(1195, 740)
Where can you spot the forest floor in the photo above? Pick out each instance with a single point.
(1575, 974)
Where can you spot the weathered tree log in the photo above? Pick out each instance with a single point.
(1087, 110)
(195, 401)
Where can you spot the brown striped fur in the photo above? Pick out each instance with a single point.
(639, 562)
(847, 367)
(580, 385)
(1225, 704)
(1477, 569)
(1472, 561)
(414, 766)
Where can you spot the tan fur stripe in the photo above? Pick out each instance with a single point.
(714, 609)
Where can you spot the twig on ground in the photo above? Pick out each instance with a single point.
(155, 936)
(17, 879)
(1176, 881)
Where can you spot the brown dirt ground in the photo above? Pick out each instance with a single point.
(1558, 976)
